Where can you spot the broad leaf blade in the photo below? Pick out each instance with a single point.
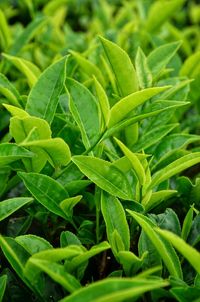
(190, 253)
(46, 191)
(43, 102)
(9, 206)
(105, 175)
(165, 250)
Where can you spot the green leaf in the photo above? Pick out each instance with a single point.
(28, 33)
(126, 105)
(157, 198)
(88, 67)
(190, 253)
(131, 263)
(135, 162)
(16, 255)
(160, 12)
(187, 224)
(165, 249)
(58, 273)
(82, 102)
(9, 206)
(15, 111)
(10, 152)
(174, 168)
(122, 67)
(33, 244)
(56, 150)
(105, 175)
(43, 102)
(159, 58)
(103, 102)
(5, 33)
(45, 190)
(153, 136)
(115, 220)
(78, 260)
(9, 91)
(3, 280)
(143, 72)
(67, 205)
(21, 127)
(30, 70)
(191, 65)
(114, 289)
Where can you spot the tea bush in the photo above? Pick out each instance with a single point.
(99, 150)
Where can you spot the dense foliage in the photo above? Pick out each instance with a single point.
(99, 150)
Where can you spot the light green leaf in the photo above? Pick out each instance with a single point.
(43, 102)
(16, 255)
(122, 67)
(105, 175)
(160, 12)
(126, 105)
(58, 273)
(46, 191)
(158, 197)
(131, 263)
(135, 162)
(55, 149)
(115, 289)
(28, 33)
(9, 91)
(9, 206)
(10, 152)
(83, 102)
(15, 111)
(80, 259)
(30, 70)
(190, 253)
(3, 280)
(187, 224)
(163, 247)
(88, 67)
(115, 219)
(21, 127)
(153, 136)
(161, 56)
(174, 168)
(191, 66)
(103, 102)
(5, 33)
(143, 72)
(67, 204)
(33, 244)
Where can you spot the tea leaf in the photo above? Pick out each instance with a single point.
(122, 67)
(161, 56)
(190, 253)
(9, 91)
(88, 67)
(175, 167)
(114, 289)
(45, 190)
(125, 106)
(12, 152)
(165, 250)
(82, 102)
(9, 206)
(30, 70)
(3, 280)
(142, 68)
(104, 175)
(115, 219)
(43, 102)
